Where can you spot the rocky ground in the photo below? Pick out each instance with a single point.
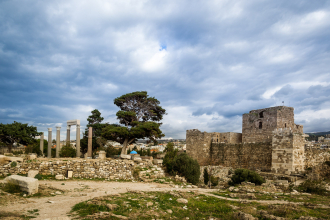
(141, 200)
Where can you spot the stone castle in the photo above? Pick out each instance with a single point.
(270, 141)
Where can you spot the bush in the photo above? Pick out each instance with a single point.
(187, 167)
(111, 151)
(11, 188)
(67, 151)
(13, 164)
(38, 176)
(244, 175)
(313, 186)
(214, 181)
(169, 157)
(206, 176)
(136, 172)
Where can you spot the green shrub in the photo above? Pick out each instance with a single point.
(169, 157)
(67, 151)
(11, 188)
(187, 167)
(13, 164)
(38, 176)
(244, 175)
(136, 172)
(206, 176)
(214, 181)
(313, 186)
(111, 151)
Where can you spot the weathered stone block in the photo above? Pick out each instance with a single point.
(27, 184)
(32, 173)
(59, 177)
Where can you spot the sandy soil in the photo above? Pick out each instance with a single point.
(78, 191)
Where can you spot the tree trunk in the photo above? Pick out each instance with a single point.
(9, 148)
(124, 149)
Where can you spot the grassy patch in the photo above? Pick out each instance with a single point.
(157, 205)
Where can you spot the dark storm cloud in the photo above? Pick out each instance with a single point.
(207, 62)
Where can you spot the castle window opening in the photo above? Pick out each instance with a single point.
(285, 125)
(260, 125)
(261, 114)
(217, 140)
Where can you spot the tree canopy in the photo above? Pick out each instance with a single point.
(17, 133)
(139, 117)
(95, 121)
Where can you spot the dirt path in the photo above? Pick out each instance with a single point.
(78, 191)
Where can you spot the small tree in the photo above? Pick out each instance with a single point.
(17, 133)
(187, 167)
(67, 151)
(244, 175)
(169, 157)
(138, 118)
(206, 176)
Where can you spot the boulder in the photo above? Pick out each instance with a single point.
(243, 216)
(32, 156)
(181, 200)
(157, 162)
(27, 184)
(32, 173)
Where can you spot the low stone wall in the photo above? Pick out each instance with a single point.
(92, 168)
(216, 171)
(314, 157)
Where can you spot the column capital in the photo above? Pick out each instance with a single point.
(68, 127)
(49, 129)
(78, 126)
(58, 128)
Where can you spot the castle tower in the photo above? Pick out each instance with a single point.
(288, 149)
(258, 125)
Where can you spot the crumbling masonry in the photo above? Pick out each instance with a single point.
(270, 141)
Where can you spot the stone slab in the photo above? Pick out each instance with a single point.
(59, 177)
(125, 156)
(32, 173)
(70, 174)
(27, 184)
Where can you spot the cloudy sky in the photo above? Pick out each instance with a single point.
(207, 62)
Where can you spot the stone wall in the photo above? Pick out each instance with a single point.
(315, 157)
(230, 137)
(198, 145)
(288, 151)
(216, 171)
(255, 156)
(93, 168)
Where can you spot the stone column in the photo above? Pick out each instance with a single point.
(68, 134)
(90, 133)
(49, 153)
(58, 141)
(78, 140)
(42, 143)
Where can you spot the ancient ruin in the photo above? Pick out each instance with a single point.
(270, 141)
(69, 124)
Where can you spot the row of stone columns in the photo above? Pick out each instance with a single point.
(58, 132)
(58, 141)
